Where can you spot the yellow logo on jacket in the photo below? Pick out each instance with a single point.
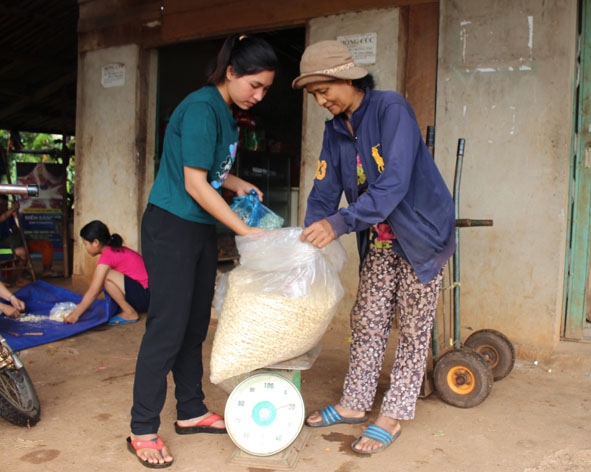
(320, 170)
(376, 157)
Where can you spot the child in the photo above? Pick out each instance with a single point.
(16, 305)
(120, 270)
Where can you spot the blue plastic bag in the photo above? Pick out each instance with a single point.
(250, 210)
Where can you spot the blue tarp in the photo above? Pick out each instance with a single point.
(39, 298)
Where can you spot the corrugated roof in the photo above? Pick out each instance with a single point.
(38, 65)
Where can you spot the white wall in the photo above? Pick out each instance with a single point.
(505, 84)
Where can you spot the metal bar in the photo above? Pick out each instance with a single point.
(29, 189)
(467, 223)
(456, 255)
(430, 142)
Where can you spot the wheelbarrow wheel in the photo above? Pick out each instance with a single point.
(462, 378)
(495, 348)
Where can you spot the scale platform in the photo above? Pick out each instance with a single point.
(265, 415)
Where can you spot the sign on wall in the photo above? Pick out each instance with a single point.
(363, 47)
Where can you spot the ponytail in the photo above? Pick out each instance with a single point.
(98, 230)
(247, 55)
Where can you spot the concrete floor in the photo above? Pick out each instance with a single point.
(533, 420)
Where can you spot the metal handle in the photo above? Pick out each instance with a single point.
(467, 223)
(28, 189)
(430, 136)
(461, 146)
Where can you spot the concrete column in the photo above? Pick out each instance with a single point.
(114, 143)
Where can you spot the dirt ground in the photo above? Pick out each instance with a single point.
(533, 420)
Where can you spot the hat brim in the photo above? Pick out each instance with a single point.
(311, 77)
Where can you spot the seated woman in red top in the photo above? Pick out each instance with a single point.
(119, 270)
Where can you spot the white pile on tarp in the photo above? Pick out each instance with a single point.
(275, 305)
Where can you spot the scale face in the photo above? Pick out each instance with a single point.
(264, 414)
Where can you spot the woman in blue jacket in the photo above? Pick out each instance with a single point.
(403, 215)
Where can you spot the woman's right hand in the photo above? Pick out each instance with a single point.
(9, 310)
(319, 234)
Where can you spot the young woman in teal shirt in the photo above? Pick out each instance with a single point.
(179, 242)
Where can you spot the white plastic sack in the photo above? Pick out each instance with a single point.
(61, 310)
(277, 303)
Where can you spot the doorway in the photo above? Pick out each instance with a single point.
(578, 281)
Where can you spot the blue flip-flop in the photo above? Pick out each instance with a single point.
(117, 320)
(331, 416)
(378, 434)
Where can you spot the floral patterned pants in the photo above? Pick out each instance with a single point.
(387, 281)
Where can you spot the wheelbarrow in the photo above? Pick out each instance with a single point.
(463, 374)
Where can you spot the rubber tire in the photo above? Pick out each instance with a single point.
(495, 348)
(19, 402)
(462, 378)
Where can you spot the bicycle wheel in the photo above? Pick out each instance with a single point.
(19, 403)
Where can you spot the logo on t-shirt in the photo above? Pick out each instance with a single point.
(225, 167)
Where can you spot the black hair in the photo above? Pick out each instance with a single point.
(363, 83)
(98, 230)
(246, 54)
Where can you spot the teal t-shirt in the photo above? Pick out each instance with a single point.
(201, 133)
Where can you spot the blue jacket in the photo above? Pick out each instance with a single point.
(405, 187)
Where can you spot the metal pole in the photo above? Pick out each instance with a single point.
(456, 255)
(29, 189)
(430, 142)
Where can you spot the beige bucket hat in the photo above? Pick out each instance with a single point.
(327, 60)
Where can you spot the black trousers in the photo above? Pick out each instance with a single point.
(181, 260)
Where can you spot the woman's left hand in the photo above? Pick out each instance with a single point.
(319, 234)
(241, 187)
(72, 317)
(17, 303)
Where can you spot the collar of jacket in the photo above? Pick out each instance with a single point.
(340, 123)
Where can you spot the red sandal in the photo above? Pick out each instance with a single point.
(134, 444)
(204, 426)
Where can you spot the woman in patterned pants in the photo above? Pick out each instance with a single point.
(404, 218)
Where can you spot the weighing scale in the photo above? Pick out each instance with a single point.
(265, 414)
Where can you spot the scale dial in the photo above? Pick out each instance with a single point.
(264, 414)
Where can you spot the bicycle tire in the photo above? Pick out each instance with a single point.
(19, 403)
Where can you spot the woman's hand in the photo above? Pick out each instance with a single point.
(212, 202)
(73, 317)
(17, 303)
(319, 234)
(9, 310)
(241, 187)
